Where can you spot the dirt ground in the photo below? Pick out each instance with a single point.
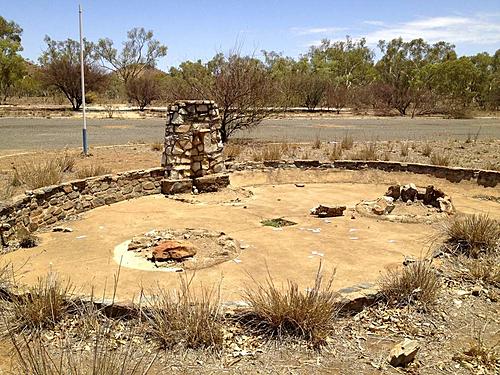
(484, 154)
(357, 248)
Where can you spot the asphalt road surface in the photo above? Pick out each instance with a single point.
(18, 134)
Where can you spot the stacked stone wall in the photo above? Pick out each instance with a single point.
(52, 204)
(193, 146)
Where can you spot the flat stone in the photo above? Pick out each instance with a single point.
(62, 229)
(148, 185)
(173, 250)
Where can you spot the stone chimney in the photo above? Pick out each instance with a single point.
(193, 146)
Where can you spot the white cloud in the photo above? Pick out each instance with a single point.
(316, 30)
(453, 29)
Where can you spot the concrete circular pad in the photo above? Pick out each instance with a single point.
(357, 248)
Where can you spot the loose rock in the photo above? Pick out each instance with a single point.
(403, 353)
(328, 211)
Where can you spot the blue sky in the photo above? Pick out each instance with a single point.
(199, 29)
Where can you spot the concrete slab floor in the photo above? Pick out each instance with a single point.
(359, 249)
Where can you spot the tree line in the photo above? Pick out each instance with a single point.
(410, 78)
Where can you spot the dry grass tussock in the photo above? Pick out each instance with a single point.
(274, 151)
(92, 170)
(287, 310)
(41, 306)
(347, 142)
(185, 318)
(427, 149)
(232, 150)
(157, 146)
(39, 173)
(416, 283)
(34, 356)
(405, 149)
(472, 235)
(480, 354)
(485, 269)
(335, 152)
(440, 159)
(367, 152)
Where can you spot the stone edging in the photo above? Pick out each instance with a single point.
(46, 206)
(482, 177)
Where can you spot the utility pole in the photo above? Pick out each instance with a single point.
(84, 130)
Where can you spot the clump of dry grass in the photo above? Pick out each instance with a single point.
(405, 149)
(415, 283)
(232, 150)
(289, 311)
(440, 159)
(472, 235)
(36, 173)
(317, 143)
(269, 152)
(157, 146)
(427, 149)
(34, 356)
(335, 152)
(347, 142)
(185, 318)
(367, 152)
(92, 170)
(480, 354)
(485, 269)
(41, 306)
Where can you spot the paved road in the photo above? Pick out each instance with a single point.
(40, 133)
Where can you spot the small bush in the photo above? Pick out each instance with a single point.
(440, 159)
(277, 223)
(184, 318)
(289, 311)
(347, 142)
(92, 170)
(427, 150)
(42, 306)
(472, 235)
(368, 152)
(416, 282)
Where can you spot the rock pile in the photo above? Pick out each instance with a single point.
(193, 146)
(429, 196)
(173, 250)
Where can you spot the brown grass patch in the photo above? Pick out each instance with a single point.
(269, 152)
(41, 306)
(405, 149)
(290, 311)
(440, 159)
(347, 142)
(185, 318)
(335, 152)
(427, 149)
(232, 150)
(157, 146)
(36, 174)
(92, 170)
(414, 283)
(472, 235)
(367, 152)
(485, 269)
